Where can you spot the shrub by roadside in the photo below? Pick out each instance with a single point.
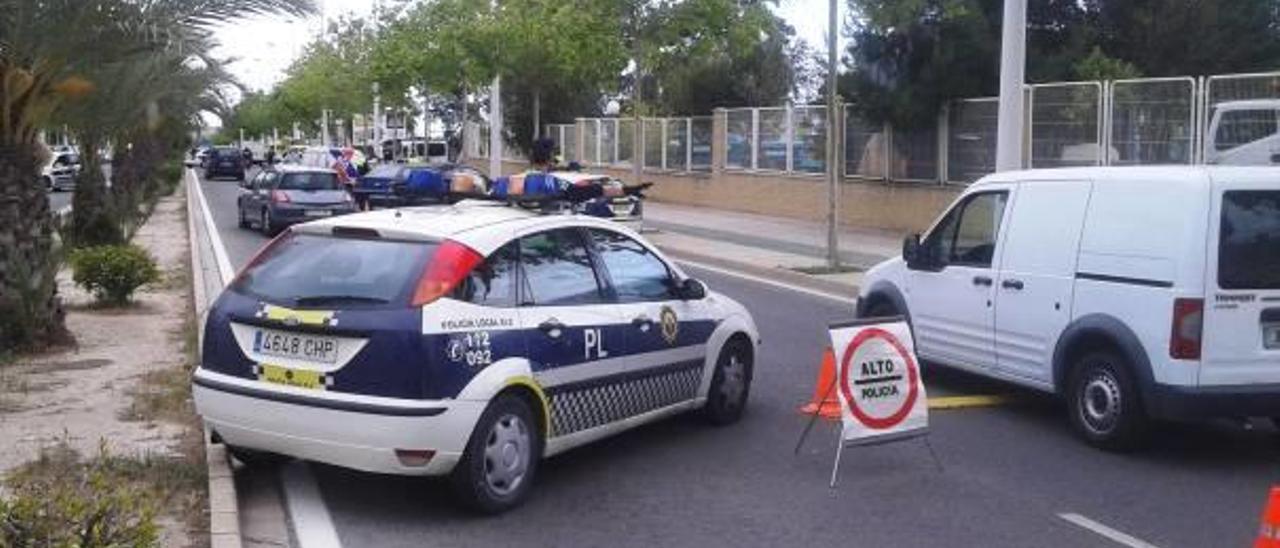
(113, 272)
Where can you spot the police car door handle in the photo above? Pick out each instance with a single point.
(552, 328)
(641, 321)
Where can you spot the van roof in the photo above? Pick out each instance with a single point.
(1184, 174)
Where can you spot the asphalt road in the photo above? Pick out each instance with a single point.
(1004, 475)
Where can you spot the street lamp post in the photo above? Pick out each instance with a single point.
(1013, 59)
(495, 120)
(833, 123)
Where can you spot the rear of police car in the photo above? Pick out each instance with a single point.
(316, 351)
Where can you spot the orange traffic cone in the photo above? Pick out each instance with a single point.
(1269, 532)
(825, 403)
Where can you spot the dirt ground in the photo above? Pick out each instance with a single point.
(88, 396)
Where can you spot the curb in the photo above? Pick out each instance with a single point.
(800, 279)
(224, 510)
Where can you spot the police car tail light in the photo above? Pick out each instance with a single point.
(1188, 324)
(451, 263)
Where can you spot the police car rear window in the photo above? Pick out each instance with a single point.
(309, 181)
(1249, 240)
(310, 271)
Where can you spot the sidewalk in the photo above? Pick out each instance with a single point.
(764, 244)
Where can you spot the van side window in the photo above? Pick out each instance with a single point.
(967, 236)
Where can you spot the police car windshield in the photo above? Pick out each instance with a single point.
(308, 181)
(311, 270)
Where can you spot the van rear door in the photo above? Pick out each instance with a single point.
(1241, 338)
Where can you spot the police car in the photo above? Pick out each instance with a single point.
(467, 340)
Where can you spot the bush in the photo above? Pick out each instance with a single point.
(61, 500)
(113, 272)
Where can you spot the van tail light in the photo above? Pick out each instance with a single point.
(279, 197)
(1188, 325)
(451, 263)
(263, 253)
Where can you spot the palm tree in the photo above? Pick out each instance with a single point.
(49, 52)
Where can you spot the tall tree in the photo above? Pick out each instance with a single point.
(49, 52)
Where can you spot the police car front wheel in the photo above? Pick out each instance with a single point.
(730, 384)
(501, 458)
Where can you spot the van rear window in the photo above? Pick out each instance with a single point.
(311, 271)
(1249, 244)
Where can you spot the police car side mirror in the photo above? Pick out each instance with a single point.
(692, 290)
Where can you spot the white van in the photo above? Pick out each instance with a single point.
(1133, 292)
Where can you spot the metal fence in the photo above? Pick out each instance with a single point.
(1150, 121)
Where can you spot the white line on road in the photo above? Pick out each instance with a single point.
(219, 250)
(1118, 537)
(311, 522)
(766, 281)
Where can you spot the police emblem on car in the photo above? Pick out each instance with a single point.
(462, 325)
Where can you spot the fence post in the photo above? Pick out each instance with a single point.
(943, 139)
(888, 153)
(755, 137)
(788, 136)
(719, 140)
(579, 129)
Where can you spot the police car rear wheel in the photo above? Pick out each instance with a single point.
(501, 459)
(1103, 402)
(730, 384)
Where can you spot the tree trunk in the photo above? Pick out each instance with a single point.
(537, 114)
(31, 315)
(92, 221)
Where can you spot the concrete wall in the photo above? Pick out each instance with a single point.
(901, 207)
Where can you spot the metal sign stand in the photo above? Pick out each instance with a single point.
(841, 443)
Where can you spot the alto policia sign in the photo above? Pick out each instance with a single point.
(878, 382)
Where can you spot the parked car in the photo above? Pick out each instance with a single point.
(284, 195)
(224, 162)
(468, 341)
(1133, 293)
(59, 172)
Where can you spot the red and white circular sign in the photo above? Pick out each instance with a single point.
(878, 379)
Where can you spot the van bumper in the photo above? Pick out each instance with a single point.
(1193, 402)
(360, 433)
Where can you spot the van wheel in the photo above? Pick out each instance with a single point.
(1103, 402)
(501, 458)
(730, 384)
(253, 458)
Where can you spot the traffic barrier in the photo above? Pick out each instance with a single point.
(825, 403)
(1269, 531)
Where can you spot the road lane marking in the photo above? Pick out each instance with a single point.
(965, 402)
(312, 526)
(219, 250)
(1119, 537)
(766, 281)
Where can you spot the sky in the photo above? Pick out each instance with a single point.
(263, 47)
